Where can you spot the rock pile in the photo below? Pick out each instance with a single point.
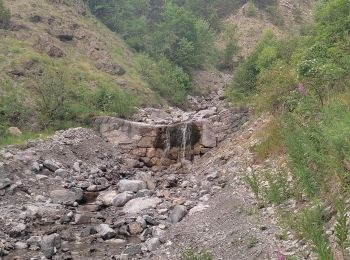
(71, 195)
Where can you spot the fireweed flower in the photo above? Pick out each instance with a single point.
(280, 256)
(301, 89)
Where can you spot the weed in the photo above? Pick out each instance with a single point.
(190, 254)
(253, 183)
(252, 241)
(342, 229)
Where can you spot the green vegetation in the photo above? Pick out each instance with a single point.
(176, 34)
(304, 82)
(5, 16)
(275, 15)
(251, 9)
(190, 254)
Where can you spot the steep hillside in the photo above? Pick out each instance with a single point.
(58, 64)
(252, 19)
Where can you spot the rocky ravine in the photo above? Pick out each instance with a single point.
(76, 196)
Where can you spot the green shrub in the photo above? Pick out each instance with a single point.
(310, 225)
(275, 15)
(114, 102)
(251, 9)
(5, 16)
(12, 108)
(190, 254)
(169, 81)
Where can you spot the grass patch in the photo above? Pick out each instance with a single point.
(191, 254)
(24, 138)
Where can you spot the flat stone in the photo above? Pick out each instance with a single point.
(66, 196)
(131, 185)
(137, 205)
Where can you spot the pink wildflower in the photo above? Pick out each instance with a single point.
(280, 256)
(301, 89)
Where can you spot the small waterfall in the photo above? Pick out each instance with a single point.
(184, 140)
(167, 140)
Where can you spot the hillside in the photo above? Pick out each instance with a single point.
(253, 18)
(57, 50)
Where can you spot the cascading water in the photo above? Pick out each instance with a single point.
(184, 141)
(167, 141)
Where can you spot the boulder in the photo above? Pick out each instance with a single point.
(178, 213)
(14, 131)
(208, 138)
(107, 197)
(50, 244)
(131, 185)
(122, 198)
(137, 205)
(105, 231)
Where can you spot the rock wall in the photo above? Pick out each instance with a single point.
(166, 144)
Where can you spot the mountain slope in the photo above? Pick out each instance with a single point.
(60, 39)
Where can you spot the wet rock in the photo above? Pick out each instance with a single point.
(178, 213)
(122, 198)
(50, 244)
(4, 183)
(137, 205)
(105, 231)
(131, 185)
(66, 196)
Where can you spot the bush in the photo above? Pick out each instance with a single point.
(12, 108)
(275, 15)
(5, 16)
(251, 9)
(168, 80)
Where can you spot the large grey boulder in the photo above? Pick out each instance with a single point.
(122, 198)
(178, 213)
(131, 185)
(50, 244)
(137, 205)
